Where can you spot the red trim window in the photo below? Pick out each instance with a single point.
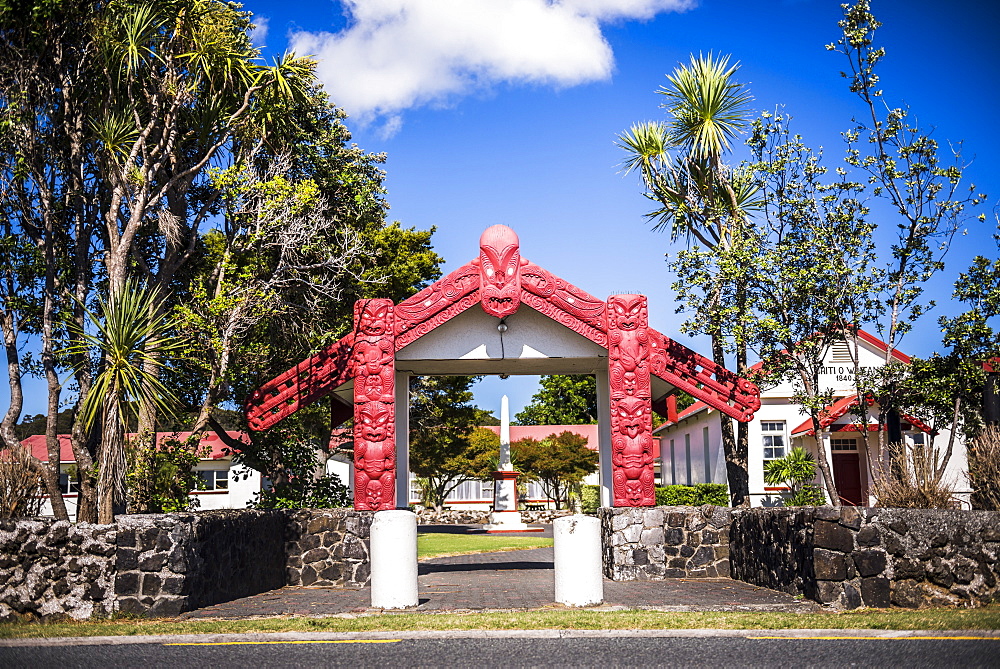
(215, 480)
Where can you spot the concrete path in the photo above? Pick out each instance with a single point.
(509, 580)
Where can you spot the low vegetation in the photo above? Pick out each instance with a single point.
(987, 618)
(430, 545)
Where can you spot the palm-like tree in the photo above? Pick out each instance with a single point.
(132, 341)
(699, 197)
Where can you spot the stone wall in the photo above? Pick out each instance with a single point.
(328, 547)
(164, 564)
(665, 542)
(55, 568)
(853, 557)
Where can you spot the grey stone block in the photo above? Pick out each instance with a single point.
(875, 592)
(870, 562)
(829, 565)
(832, 535)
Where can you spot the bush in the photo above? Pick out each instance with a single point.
(984, 469)
(590, 498)
(911, 481)
(693, 495)
(808, 495)
(326, 492)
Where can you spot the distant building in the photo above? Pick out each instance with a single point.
(692, 452)
(224, 489)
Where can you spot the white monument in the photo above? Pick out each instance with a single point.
(505, 516)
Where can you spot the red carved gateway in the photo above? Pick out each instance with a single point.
(374, 406)
(501, 282)
(631, 401)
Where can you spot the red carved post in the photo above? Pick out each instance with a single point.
(374, 406)
(631, 407)
(499, 271)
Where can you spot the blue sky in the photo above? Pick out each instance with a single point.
(485, 120)
(506, 111)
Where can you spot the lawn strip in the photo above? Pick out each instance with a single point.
(987, 618)
(444, 545)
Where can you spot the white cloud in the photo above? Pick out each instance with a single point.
(258, 35)
(400, 54)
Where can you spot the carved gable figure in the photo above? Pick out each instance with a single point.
(499, 271)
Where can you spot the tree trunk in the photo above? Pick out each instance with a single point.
(824, 466)
(736, 461)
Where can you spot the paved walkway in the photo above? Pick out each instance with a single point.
(503, 581)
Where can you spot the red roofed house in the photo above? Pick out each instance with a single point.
(692, 452)
(223, 488)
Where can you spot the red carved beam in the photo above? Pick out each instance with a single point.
(374, 406)
(563, 302)
(703, 379)
(310, 380)
(436, 304)
(631, 411)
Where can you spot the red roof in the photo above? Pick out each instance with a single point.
(38, 448)
(837, 410)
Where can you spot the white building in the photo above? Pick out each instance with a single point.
(226, 485)
(692, 452)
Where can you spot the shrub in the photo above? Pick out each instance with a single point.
(590, 498)
(984, 469)
(693, 495)
(21, 487)
(910, 480)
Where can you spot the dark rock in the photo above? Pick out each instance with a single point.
(131, 606)
(834, 536)
(964, 572)
(674, 536)
(907, 594)
(674, 573)
(686, 551)
(827, 513)
(899, 526)
(315, 555)
(939, 540)
(850, 516)
(168, 607)
(153, 562)
(126, 559)
(704, 555)
(875, 592)
(990, 534)
(912, 569)
(308, 576)
(127, 583)
(894, 545)
(173, 585)
(829, 565)
(870, 563)
(828, 592)
(151, 584)
(869, 535)
(640, 556)
(60, 588)
(939, 572)
(852, 597)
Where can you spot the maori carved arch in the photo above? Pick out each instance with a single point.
(500, 280)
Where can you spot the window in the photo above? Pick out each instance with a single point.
(917, 438)
(215, 479)
(68, 484)
(843, 444)
(773, 439)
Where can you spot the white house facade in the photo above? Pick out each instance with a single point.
(692, 452)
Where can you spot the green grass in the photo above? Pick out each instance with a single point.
(987, 618)
(439, 545)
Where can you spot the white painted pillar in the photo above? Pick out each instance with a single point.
(604, 435)
(394, 559)
(402, 440)
(578, 572)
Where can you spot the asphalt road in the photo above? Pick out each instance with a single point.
(728, 649)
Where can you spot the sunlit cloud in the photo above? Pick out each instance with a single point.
(396, 55)
(258, 36)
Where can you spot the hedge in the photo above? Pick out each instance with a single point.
(671, 495)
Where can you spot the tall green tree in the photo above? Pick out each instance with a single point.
(919, 182)
(563, 399)
(442, 424)
(558, 462)
(702, 200)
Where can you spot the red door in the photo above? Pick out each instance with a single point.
(847, 475)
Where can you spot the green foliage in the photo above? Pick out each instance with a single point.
(445, 446)
(161, 477)
(693, 495)
(796, 470)
(558, 462)
(590, 498)
(325, 492)
(563, 400)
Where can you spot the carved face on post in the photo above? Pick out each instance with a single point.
(499, 271)
(372, 320)
(627, 311)
(632, 416)
(375, 420)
